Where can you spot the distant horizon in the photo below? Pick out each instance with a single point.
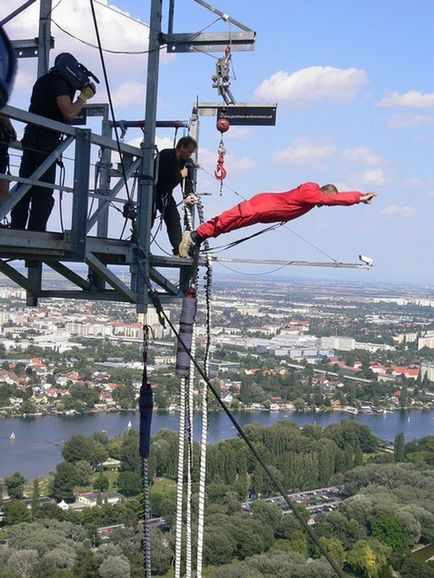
(347, 277)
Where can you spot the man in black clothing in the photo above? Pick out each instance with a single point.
(7, 135)
(172, 170)
(53, 98)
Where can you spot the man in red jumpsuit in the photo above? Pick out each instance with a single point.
(270, 208)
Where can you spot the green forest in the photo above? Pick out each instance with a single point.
(384, 519)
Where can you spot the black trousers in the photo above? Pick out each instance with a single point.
(34, 209)
(166, 205)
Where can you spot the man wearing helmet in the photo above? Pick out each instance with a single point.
(53, 98)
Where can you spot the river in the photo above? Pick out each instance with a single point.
(37, 447)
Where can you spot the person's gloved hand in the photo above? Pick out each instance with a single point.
(87, 92)
(190, 200)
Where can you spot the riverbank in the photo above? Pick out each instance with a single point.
(247, 409)
(37, 447)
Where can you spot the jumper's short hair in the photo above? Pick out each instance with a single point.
(329, 189)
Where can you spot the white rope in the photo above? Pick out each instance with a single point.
(180, 485)
(146, 527)
(190, 402)
(204, 430)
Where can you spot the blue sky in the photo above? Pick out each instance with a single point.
(354, 88)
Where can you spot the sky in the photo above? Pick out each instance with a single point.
(354, 89)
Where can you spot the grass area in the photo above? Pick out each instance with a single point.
(163, 486)
(424, 553)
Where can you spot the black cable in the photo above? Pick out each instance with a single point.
(222, 248)
(109, 97)
(254, 274)
(95, 46)
(62, 184)
(155, 300)
(111, 51)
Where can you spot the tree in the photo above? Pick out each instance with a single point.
(84, 472)
(267, 513)
(298, 543)
(80, 447)
(35, 496)
(366, 558)
(130, 456)
(219, 546)
(403, 398)
(115, 567)
(64, 481)
(101, 483)
(16, 512)
(22, 562)
(391, 531)
(335, 548)
(162, 553)
(15, 485)
(56, 560)
(399, 447)
(85, 565)
(129, 483)
(299, 405)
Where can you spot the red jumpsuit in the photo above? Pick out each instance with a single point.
(273, 208)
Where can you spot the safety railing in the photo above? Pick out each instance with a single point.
(82, 209)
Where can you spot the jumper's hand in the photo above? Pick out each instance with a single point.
(183, 172)
(87, 92)
(367, 198)
(190, 200)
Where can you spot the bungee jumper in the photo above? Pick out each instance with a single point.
(270, 208)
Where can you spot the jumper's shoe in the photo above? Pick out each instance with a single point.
(187, 246)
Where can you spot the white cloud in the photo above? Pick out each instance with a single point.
(312, 84)
(410, 99)
(239, 164)
(361, 155)
(23, 82)
(408, 121)
(398, 211)
(304, 151)
(129, 93)
(239, 133)
(374, 178)
(414, 183)
(118, 32)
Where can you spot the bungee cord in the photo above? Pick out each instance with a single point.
(276, 483)
(204, 407)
